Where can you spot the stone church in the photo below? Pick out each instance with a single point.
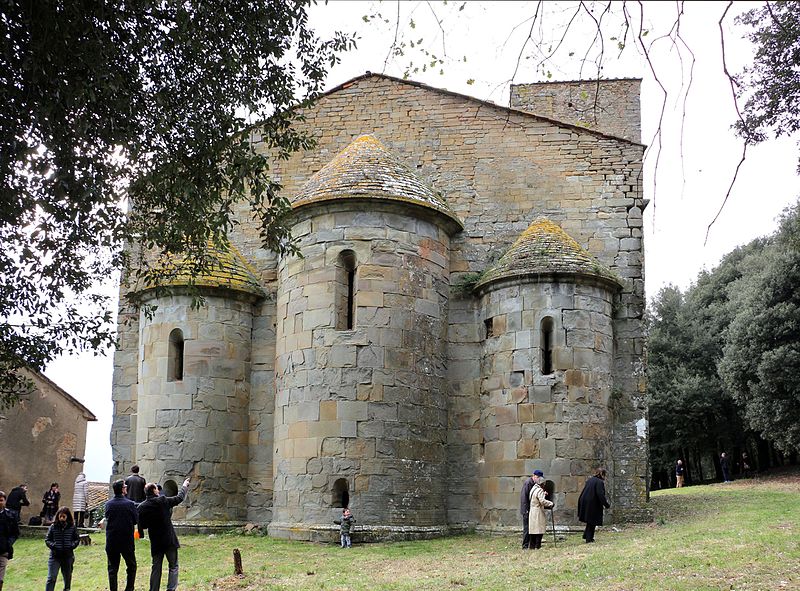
(467, 308)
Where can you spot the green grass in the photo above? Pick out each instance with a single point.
(734, 536)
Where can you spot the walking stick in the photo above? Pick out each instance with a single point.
(550, 489)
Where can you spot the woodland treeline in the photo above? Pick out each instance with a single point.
(724, 362)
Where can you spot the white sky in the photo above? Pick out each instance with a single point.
(688, 192)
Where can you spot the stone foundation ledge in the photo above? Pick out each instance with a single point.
(360, 534)
(40, 531)
(509, 530)
(202, 528)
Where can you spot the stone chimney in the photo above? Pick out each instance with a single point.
(607, 106)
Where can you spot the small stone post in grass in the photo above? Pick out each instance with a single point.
(237, 562)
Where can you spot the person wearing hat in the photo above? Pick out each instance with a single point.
(525, 506)
(537, 520)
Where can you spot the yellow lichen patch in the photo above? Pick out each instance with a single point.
(366, 169)
(225, 268)
(545, 249)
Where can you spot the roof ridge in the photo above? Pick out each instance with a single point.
(487, 103)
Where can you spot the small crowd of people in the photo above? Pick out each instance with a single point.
(725, 467)
(534, 500)
(135, 507)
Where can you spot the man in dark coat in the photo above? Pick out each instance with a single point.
(9, 532)
(525, 506)
(155, 516)
(724, 463)
(121, 518)
(135, 486)
(591, 503)
(17, 499)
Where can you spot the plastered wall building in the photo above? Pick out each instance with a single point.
(43, 437)
(468, 308)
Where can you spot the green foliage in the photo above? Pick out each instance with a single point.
(127, 121)
(466, 283)
(761, 366)
(724, 358)
(772, 84)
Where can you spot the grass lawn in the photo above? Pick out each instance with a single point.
(742, 535)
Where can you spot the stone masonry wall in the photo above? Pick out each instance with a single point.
(199, 425)
(559, 423)
(367, 405)
(612, 106)
(499, 170)
(124, 388)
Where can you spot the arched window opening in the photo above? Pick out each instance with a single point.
(341, 494)
(346, 290)
(170, 488)
(547, 345)
(175, 362)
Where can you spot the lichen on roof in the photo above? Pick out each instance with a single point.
(366, 169)
(546, 249)
(223, 267)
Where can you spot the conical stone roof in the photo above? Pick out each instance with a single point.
(545, 249)
(367, 170)
(227, 270)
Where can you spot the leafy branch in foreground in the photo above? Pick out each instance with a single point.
(133, 121)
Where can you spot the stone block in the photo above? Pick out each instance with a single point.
(351, 411)
(333, 446)
(542, 393)
(528, 449)
(547, 449)
(369, 356)
(510, 432)
(544, 412)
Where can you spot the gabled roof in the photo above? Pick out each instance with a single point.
(367, 170)
(99, 493)
(37, 375)
(544, 249)
(472, 99)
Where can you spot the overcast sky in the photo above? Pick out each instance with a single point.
(693, 175)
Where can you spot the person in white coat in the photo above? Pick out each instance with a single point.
(80, 499)
(537, 520)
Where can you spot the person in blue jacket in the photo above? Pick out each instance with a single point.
(62, 539)
(121, 519)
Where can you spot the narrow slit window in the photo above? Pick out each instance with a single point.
(175, 363)
(340, 494)
(346, 290)
(489, 325)
(547, 345)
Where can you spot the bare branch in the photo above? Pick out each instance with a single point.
(394, 43)
(746, 142)
(438, 22)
